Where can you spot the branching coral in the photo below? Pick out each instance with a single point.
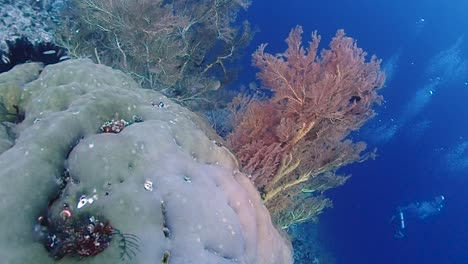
(182, 48)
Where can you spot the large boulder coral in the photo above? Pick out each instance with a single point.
(162, 182)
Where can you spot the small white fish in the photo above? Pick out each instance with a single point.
(5, 59)
(49, 52)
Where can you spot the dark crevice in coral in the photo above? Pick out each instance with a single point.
(22, 50)
(73, 145)
(217, 253)
(18, 115)
(11, 131)
(165, 228)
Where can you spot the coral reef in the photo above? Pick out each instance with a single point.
(27, 32)
(23, 19)
(27, 18)
(160, 190)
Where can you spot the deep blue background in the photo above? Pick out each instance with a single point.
(410, 167)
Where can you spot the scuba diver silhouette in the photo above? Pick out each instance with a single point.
(417, 210)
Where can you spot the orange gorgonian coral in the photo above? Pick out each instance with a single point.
(300, 132)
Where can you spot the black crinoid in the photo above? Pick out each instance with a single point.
(128, 244)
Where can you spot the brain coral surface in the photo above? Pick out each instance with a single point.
(199, 208)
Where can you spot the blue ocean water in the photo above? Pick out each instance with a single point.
(420, 130)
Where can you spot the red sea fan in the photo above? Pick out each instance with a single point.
(318, 100)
